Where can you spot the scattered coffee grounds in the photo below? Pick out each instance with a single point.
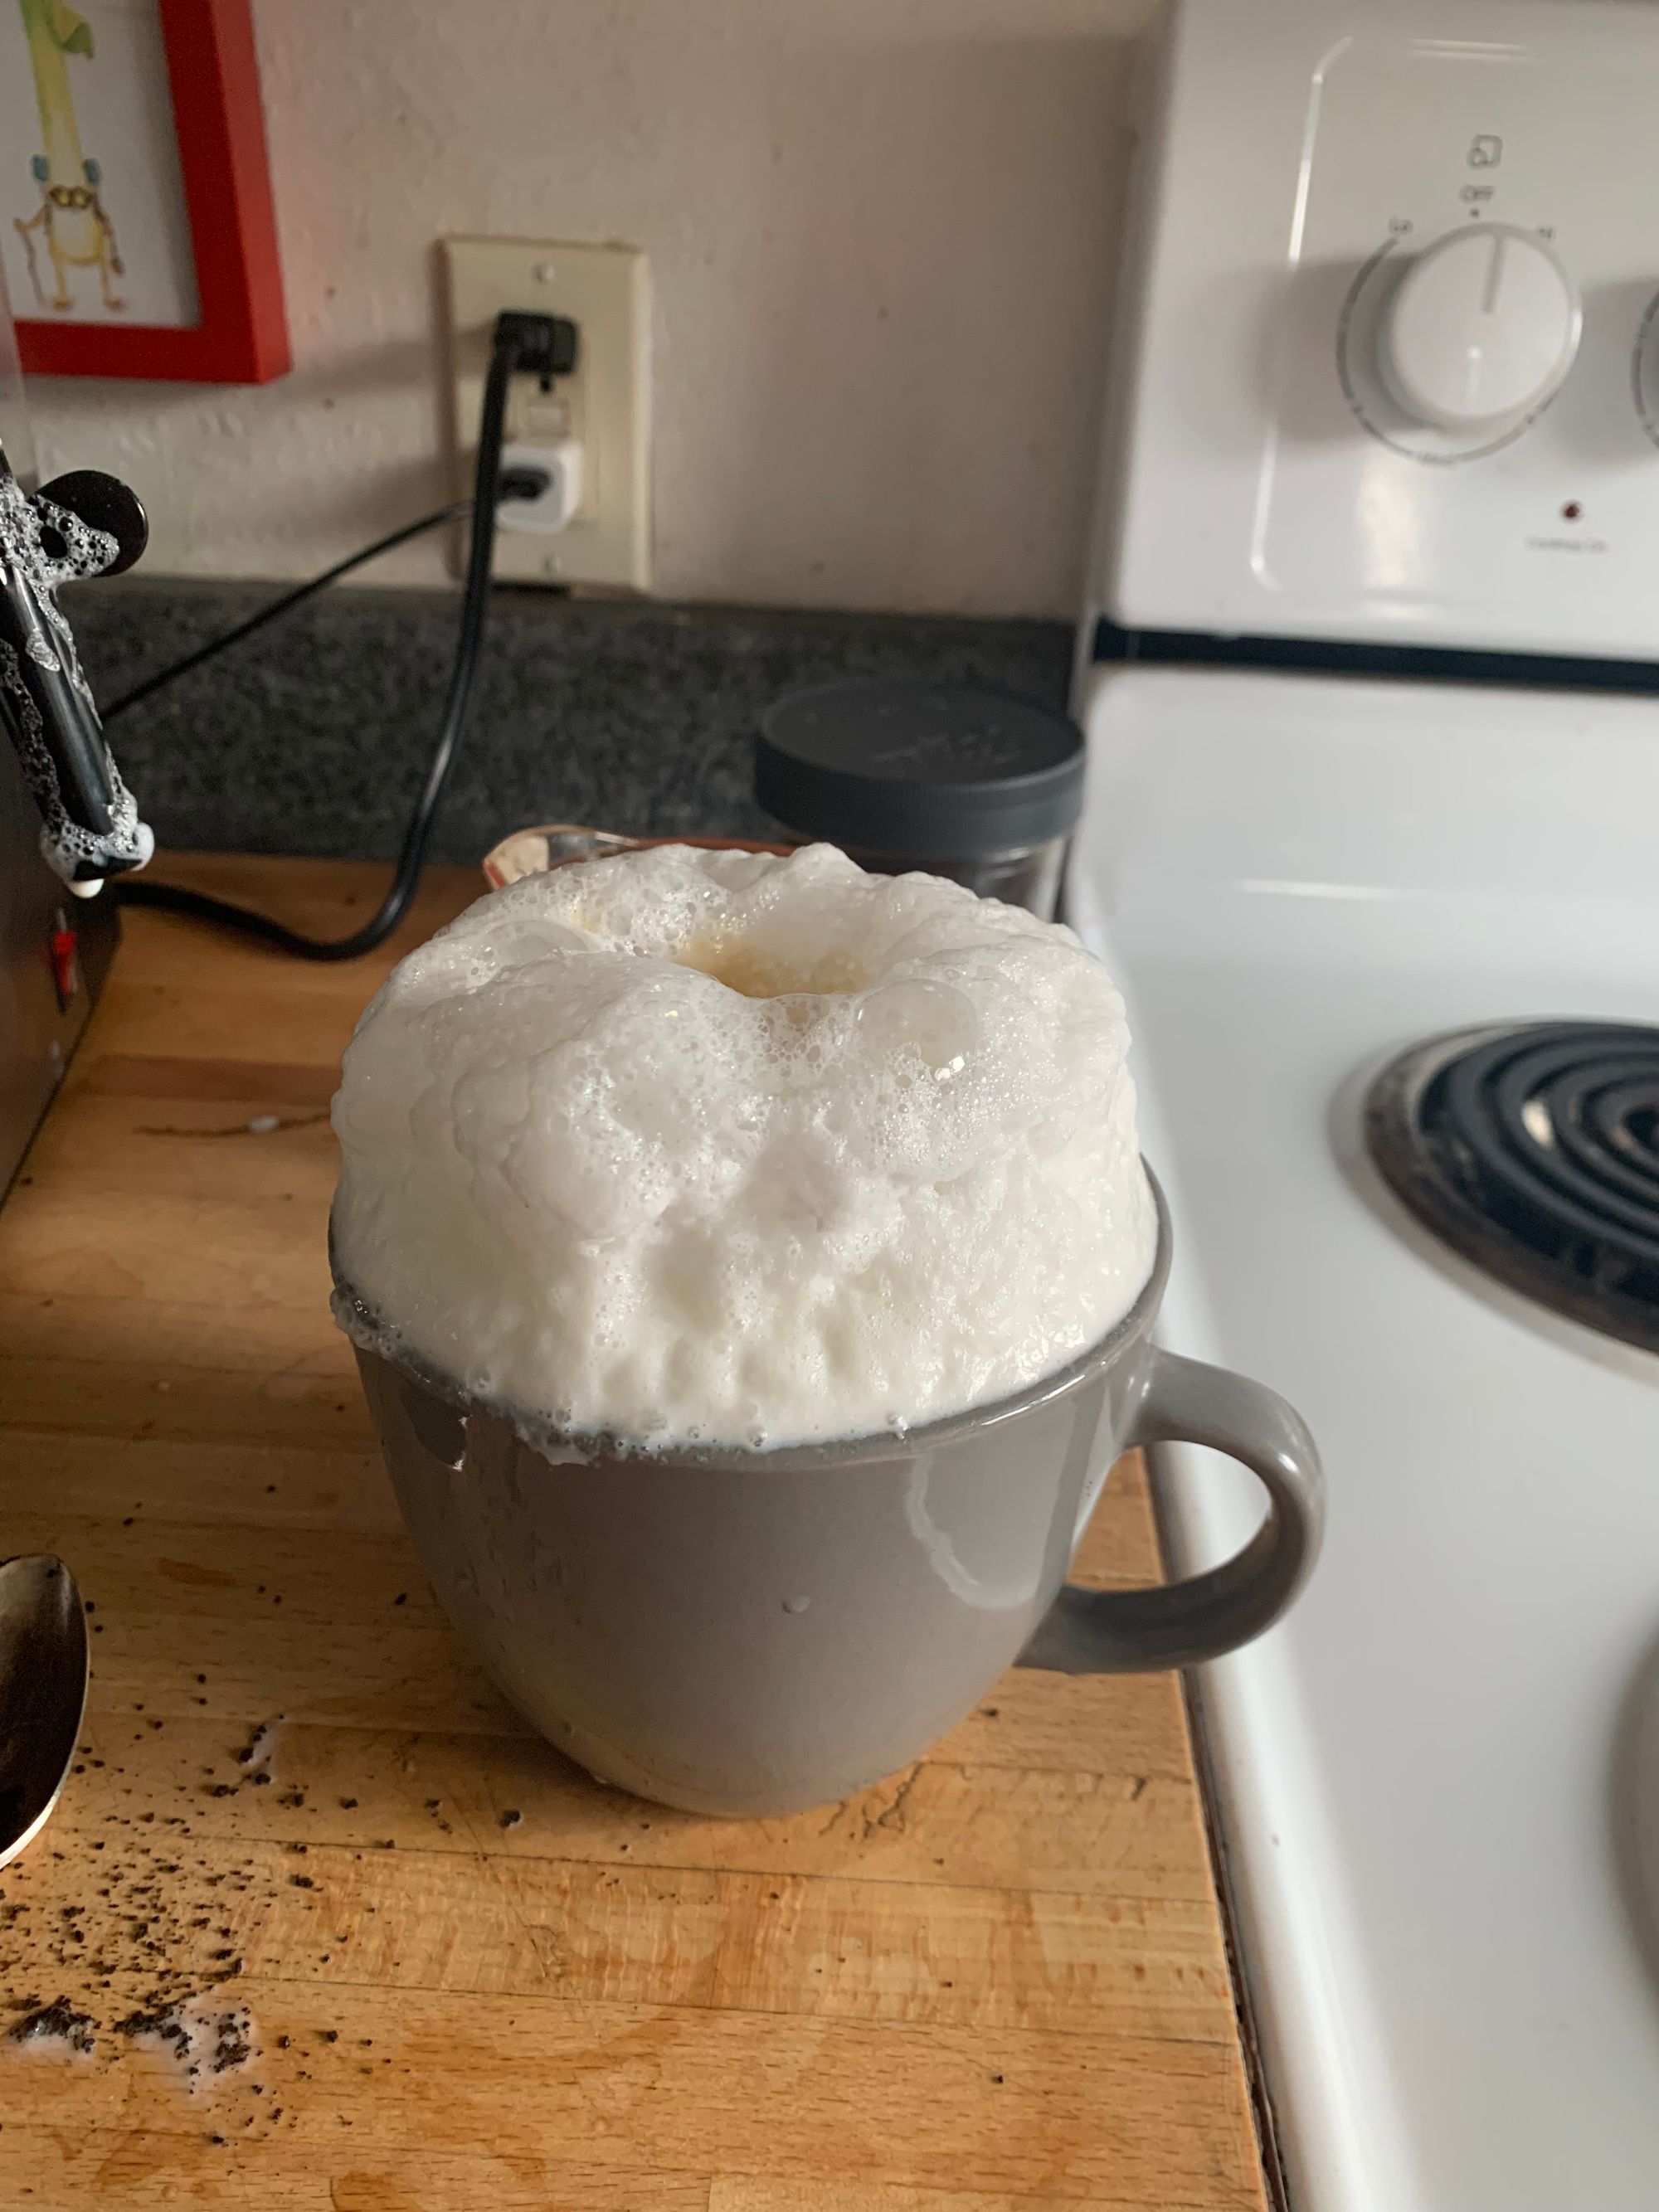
(259, 1746)
(149, 1921)
(57, 2023)
(232, 2047)
(161, 2020)
(203, 2039)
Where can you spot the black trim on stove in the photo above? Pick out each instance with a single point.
(1416, 664)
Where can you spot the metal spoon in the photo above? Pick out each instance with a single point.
(43, 1691)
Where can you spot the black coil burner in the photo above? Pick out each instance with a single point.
(1534, 1150)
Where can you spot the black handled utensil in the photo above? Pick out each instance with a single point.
(85, 523)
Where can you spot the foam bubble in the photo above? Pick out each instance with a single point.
(682, 1145)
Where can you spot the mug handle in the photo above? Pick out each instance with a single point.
(1180, 1623)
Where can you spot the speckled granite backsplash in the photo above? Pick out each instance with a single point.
(313, 737)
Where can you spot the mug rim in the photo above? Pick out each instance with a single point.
(591, 1446)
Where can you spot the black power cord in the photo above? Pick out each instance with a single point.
(540, 345)
(274, 608)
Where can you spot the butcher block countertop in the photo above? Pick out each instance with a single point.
(424, 1965)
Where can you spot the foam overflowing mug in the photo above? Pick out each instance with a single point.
(752, 1271)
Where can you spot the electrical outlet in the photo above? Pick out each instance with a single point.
(604, 405)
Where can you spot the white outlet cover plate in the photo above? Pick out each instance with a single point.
(604, 403)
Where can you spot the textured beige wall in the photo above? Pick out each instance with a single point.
(881, 235)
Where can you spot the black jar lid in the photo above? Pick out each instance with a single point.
(933, 771)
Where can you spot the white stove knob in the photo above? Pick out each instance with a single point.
(1482, 328)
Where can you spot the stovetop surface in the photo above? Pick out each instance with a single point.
(1438, 1780)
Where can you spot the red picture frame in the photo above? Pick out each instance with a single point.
(212, 73)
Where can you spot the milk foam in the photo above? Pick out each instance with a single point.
(689, 1147)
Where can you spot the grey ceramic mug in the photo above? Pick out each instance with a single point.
(752, 1633)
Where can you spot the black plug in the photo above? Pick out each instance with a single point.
(537, 345)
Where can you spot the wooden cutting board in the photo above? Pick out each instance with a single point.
(426, 1966)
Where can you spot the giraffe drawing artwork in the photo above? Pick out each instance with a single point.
(71, 223)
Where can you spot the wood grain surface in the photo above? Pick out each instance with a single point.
(435, 1968)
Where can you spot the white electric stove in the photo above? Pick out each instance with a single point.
(1370, 680)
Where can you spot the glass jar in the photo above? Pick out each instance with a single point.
(947, 778)
(1025, 875)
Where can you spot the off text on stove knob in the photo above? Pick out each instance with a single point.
(1481, 330)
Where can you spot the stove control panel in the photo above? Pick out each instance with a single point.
(1388, 344)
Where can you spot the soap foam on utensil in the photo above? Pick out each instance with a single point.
(683, 1146)
(80, 550)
